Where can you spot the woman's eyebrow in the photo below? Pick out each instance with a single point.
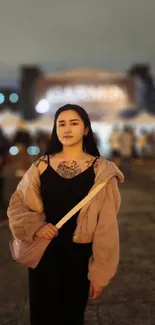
(72, 120)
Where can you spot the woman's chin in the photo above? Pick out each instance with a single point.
(68, 142)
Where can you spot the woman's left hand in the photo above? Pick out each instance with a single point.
(94, 291)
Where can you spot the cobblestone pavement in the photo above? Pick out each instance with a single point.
(130, 297)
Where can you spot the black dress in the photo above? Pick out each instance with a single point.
(58, 287)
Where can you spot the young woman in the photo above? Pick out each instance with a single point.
(83, 255)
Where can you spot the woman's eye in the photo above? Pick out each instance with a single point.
(61, 125)
(74, 123)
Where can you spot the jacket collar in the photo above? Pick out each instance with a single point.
(106, 170)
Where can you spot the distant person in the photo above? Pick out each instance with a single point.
(42, 141)
(22, 139)
(144, 92)
(151, 142)
(143, 143)
(4, 149)
(126, 151)
(115, 145)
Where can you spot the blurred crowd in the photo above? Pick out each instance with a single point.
(18, 151)
(127, 141)
(128, 145)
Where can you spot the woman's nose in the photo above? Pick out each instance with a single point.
(67, 129)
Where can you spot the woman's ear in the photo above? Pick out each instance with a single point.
(86, 131)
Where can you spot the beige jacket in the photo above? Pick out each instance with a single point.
(96, 222)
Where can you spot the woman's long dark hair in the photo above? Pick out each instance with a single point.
(89, 143)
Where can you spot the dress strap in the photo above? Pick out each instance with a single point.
(48, 159)
(94, 161)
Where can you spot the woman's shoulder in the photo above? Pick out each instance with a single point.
(42, 159)
(101, 161)
(41, 163)
(100, 164)
(108, 169)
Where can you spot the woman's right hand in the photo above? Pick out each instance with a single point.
(47, 231)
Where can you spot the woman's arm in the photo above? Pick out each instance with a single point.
(25, 211)
(105, 258)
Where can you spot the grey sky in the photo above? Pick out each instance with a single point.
(62, 34)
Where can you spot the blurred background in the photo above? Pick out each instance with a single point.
(100, 55)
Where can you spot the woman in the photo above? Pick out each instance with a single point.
(83, 255)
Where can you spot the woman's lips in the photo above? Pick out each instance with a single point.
(68, 137)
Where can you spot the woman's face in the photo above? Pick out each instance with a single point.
(70, 128)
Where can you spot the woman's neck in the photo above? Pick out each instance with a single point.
(72, 153)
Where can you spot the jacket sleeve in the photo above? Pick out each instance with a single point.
(25, 210)
(105, 258)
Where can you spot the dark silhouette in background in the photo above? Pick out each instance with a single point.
(144, 91)
(4, 149)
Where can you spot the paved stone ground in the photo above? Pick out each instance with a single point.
(130, 297)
